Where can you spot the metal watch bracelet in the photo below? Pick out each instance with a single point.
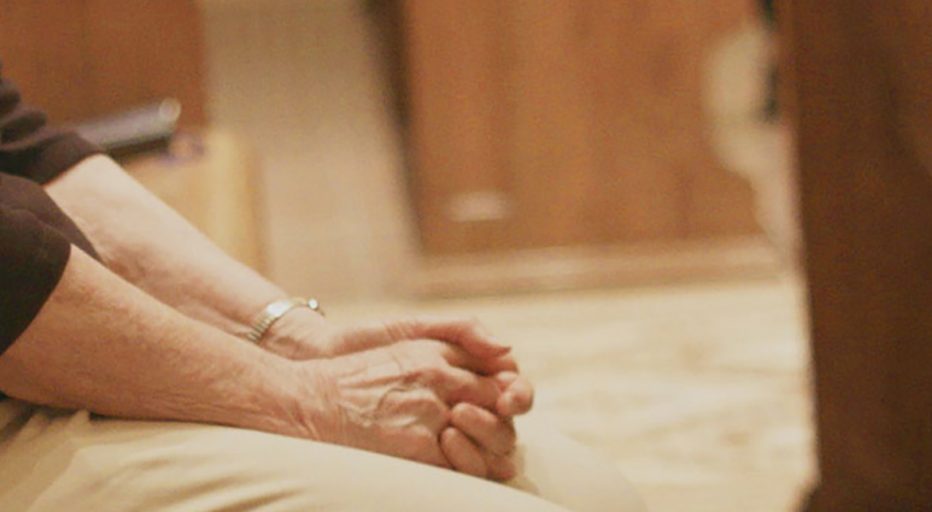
(275, 310)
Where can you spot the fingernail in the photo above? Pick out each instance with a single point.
(460, 408)
(508, 402)
(483, 332)
(506, 378)
(495, 343)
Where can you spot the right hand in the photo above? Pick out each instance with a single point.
(397, 400)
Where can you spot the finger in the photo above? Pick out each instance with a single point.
(500, 467)
(485, 366)
(463, 455)
(494, 434)
(436, 457)
(504, 379)
(465, 386)
(420, 444)
(517, 399)
(505, 363)
(365, 337)
(466, 333)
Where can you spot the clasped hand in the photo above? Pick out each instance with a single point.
(437, 392)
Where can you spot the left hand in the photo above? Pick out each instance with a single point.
(478, 441)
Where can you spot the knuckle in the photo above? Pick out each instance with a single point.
(431, 375)
(424, 438)
(430, 409)
(460, 417)
(456, 384)
(418, 441)
(461, 412)
(431, 404)
(443, 412)
(470, 418)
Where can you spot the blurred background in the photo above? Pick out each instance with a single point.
(605, 184)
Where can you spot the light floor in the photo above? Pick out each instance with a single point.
(698, 392)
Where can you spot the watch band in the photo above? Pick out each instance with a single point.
(275, 310)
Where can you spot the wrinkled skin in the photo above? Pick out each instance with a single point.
(439, 392)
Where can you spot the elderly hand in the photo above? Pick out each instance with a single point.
(306, 335)
(402, 399)
(479, 436)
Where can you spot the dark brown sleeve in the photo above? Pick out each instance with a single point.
(32, 259)
(28, 146)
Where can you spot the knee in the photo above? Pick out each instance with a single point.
(589, 488)
(565, 472)
(614, 494)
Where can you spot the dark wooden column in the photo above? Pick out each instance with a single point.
(861, 75)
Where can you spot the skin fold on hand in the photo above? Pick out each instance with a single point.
(447, 400)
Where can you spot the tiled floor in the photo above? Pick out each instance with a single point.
(699, 393)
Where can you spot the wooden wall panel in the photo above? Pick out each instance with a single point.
(84, 58)
(43, 51)
(549, 129)
(465, 41)
(571, 122)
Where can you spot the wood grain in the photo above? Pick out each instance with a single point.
(586, 117)
(85, 58)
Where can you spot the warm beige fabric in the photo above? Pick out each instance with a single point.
(56, 460)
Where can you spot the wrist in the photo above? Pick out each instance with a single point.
(306, 392)
(298, 335)
(279, 396)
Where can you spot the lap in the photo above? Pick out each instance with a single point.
(54, 460)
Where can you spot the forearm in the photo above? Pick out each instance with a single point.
(150, 245)
(101, 344)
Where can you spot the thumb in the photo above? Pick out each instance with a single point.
(468, 334)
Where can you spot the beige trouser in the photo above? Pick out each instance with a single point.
(73, 461)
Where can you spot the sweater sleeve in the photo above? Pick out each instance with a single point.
(29, 147)
(33, 256)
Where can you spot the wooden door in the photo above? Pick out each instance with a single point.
(862, 96)
(566, 123)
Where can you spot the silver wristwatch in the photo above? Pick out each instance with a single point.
(275, 310)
